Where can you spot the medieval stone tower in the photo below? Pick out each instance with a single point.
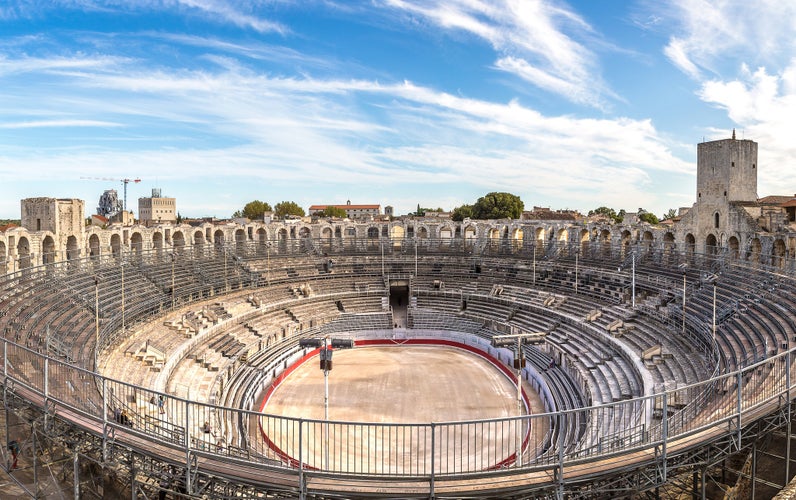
(727, 171)
(726, 191)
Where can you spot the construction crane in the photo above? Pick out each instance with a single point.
(123, 181)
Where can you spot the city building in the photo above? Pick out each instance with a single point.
(156, 209)
(352, 211)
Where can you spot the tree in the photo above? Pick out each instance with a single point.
(462, 212)
(179, 218)
(288, 208)
(331, 211)
(609, 212)
(253, 210)
(498, 206)
(671, 214)
(644, 216)
(648, 217)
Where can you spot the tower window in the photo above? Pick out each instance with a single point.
(732, 164)
(725, 193)
(753, 165)
(716, 220)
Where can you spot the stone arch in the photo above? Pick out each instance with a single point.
(240, 240)
(178, 242)
(218, 238)
(755, 250)
(446, 233)
(734, 247)
(470, 232)
(157, 242)
(605, 241)
(562, 236)
(304, 232)
(517, 234)
(669, 245)
(116, 245)
(690, 244)
(422, 233)
(647, 239)
(373, 236)
(281, 237)
(23, 252)
(624, 241)
(778, 251)
(136, 243)
(397, 232)
(72, 248)
(711, 244)
(93, 246)
(494, 233)
(327, 236)
(198, 242)
(48, 250)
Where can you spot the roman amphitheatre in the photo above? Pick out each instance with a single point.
(183, 362)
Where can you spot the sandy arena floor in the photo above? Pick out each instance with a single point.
(400, 384)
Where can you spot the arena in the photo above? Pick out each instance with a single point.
(649, 369)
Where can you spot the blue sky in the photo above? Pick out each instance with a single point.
(397, 102)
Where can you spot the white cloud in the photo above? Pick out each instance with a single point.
(230, 12)
(535, 40)
(708, 34)
(764, 107)
(717, 44)
(58, 123)
(302, 131)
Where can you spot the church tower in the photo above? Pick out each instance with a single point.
(726, 171)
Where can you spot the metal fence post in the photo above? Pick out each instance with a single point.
(302, 494)
(188, 485)
(433, 453)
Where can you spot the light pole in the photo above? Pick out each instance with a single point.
(577, 253)
(268, 263)
(96, 323)
(325, 354)
(173, 294)
(714, 312)
(519, 364)
(683, 267)
(226, 282)
(633, 280)
(534, 262)
(122, 266)
(416, 257)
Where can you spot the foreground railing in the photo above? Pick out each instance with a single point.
(426, 451)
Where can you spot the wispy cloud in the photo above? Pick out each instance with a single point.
(58, 123)
(742, 56)
(239, 14)
(302, 130)
(706, 35)
(231, 12)
(536, 40)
